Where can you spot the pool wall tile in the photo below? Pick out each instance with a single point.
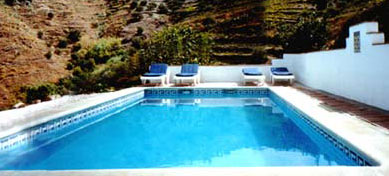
(30, 134)
(352, 154)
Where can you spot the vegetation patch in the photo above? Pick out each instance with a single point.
(40, 92)
(178, 45)
(101, 66)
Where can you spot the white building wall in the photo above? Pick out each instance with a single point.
(232, 73)
(363, 76)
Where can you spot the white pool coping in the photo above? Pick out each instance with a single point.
(372, 140)
(13, 121)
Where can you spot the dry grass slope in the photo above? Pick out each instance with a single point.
(22, 52)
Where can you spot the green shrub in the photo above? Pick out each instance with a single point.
(162, 9)
(69, 66)
(74, 36)
(209, 22)
(177, 45)
(40, 92)
(259, 52)
(76, 48)
(100, 66)
(10, 2)
(309, 34)
(151, 6)
(40, 34)
(143, 3)
(104, 49)
(137, 42)
(135, 17)
(139, 9)
(133, 5)
(62, 43)
(48, 55)
(174, 5)
(139, 31)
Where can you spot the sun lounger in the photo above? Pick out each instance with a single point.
(281, 73)
(157, 72)
(253, 74)
(188, 72)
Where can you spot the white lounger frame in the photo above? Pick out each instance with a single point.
(259, 78)
(181, 79)
(164, 79)
(274, 78)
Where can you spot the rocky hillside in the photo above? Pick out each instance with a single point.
(35, 46)
(29, 36)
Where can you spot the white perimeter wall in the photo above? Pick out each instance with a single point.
(363, 76)
(231, 73)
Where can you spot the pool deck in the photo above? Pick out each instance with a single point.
(361, 125)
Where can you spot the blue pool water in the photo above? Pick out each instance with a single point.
(182, 132)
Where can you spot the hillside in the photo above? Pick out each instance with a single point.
(28, 33)
(33, 33)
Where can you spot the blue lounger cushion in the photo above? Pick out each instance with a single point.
(280, 71)
(251, 71)
(157, 70)
(153, 74)
(188, 70)
(186, 74)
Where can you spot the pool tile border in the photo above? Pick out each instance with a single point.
(206, 92)
(346, 148)
(23, 137)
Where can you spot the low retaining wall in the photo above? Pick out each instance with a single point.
(359, 72)
(232, 73)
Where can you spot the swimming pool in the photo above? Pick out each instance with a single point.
(159, 128)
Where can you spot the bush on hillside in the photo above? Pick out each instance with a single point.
(151, 6)
(40, 34)
(135, 17)
(309, 34)
(133, 5)
(62, 43)
(13, 2)
(162, 9)
(209, 22)
(40, 92)
(103, 50)
(177, 45)
(74, 36)
(48, 55)
(139, 31)
(99, 66)
(143, 3)
(139, 9)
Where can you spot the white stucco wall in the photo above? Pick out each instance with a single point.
(231, 73)
(363, 76)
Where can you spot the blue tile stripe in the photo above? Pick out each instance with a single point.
(348, 151)
(25, 136)
(205, 92)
